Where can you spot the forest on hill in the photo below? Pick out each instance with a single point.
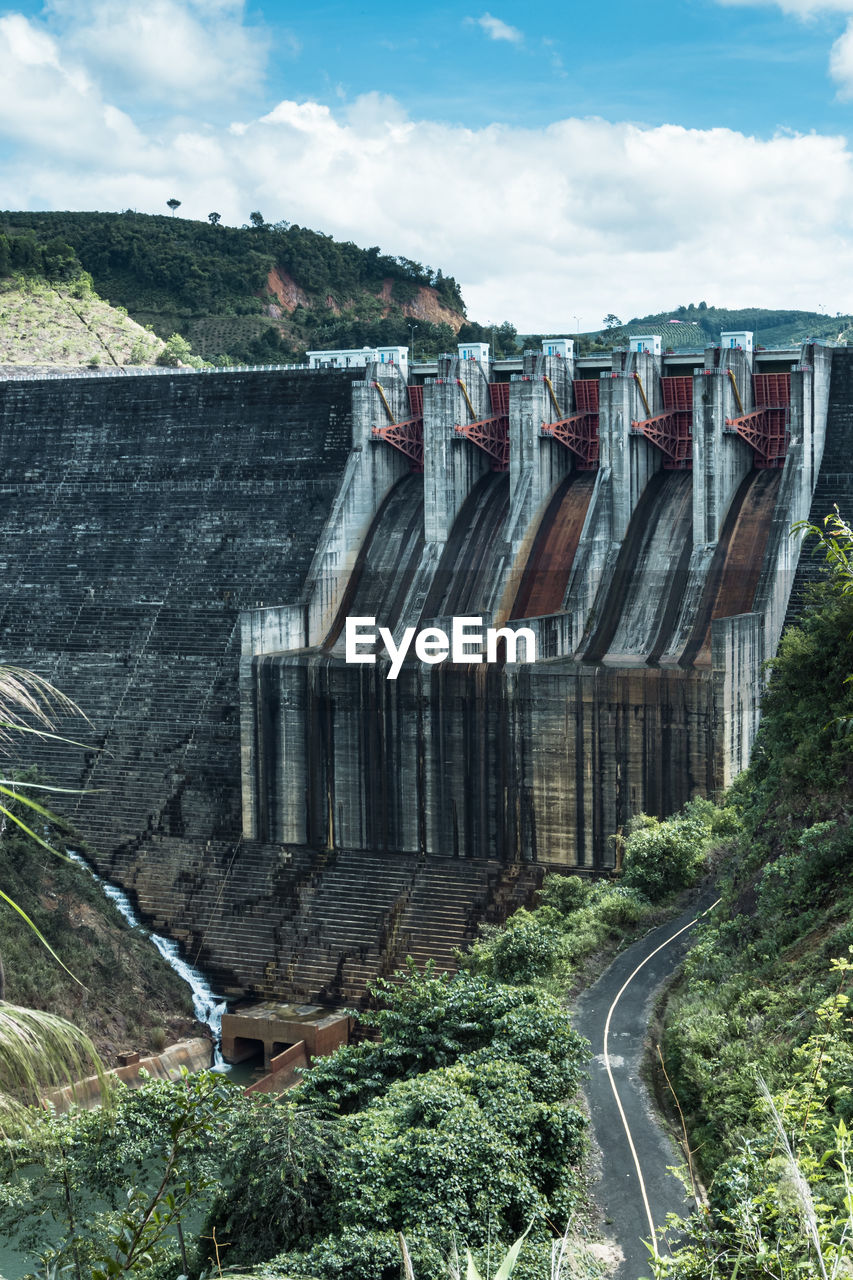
(268, 292)
(261, 293)
(697, 325)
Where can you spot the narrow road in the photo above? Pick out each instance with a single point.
(635, 1191)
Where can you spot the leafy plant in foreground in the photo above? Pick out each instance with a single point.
(36, 1048)
(108, 1192)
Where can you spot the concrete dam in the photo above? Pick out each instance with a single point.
(181, 552)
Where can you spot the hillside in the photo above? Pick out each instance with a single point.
(267, 293)
(762, 1009)
(44, 323)
(262, 293)
(130, 998)
(694, 326)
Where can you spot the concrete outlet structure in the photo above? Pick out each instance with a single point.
(274, 1027)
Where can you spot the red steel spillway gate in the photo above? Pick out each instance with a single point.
(579, 432)
(671, 431)
(490, 434)
(407, 436)
(768, 428)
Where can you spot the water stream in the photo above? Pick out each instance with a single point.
(207, 1006)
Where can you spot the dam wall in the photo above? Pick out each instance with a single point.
(180, 553)
(140, 516)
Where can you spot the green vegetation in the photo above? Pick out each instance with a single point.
(700, 325)
(579, 923)
(761, 1012)
(452, 1119)
(502, 338)
(61, 1198)
(692, 327)
(461, 1123)
(263, 293)
(50, 314)
(51, 258)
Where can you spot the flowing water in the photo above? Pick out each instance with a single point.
(208, 1006)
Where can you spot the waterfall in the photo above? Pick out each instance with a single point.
(207, 1006)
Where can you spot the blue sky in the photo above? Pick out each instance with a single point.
(692, 62)
(624, 158)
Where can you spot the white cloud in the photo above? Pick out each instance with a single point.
(176, 51)
(590, 217)
(580, 218)
(495, 29)
(841, 62)
(52, 105)
(799, 8)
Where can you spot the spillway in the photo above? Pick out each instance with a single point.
(641, 605)
(546, 574)
(738, 559)
(341, 746)
(468, 573)
(386, 570)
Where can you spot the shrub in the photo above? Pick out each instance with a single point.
(361, 1253)
(176, 351)
(138, 352)
(663, 857)
(564, 893)
(433, 1021)
(525, 948)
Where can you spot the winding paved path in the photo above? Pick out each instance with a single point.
(636, 1191)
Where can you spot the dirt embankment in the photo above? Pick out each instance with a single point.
(122, 993)
(288, 292)
(424, 306)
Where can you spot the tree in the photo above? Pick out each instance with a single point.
(176, 351)
(257, 220)
(173, 204)
(506, 339)
(835, 540)
(214, 219)
(116, 1194)
(612, 322)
